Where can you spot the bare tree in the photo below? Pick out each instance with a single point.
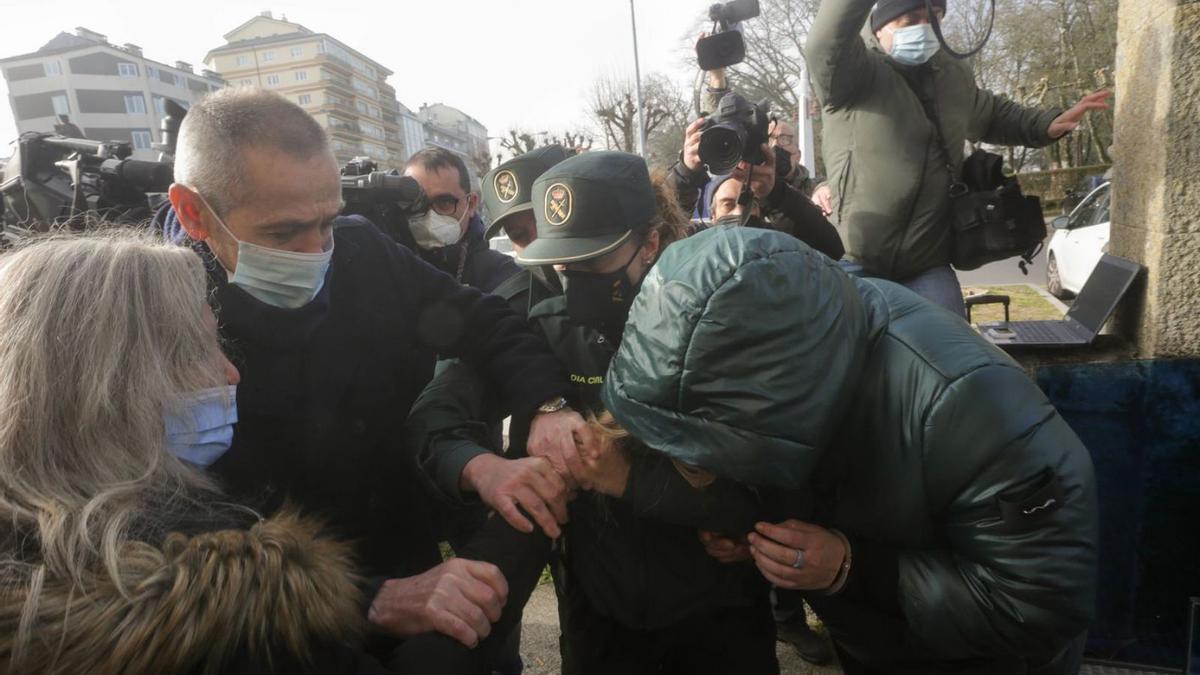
(613, 109)
(1050, 53)
(517, 142)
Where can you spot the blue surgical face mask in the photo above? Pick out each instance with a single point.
(914, 45)
(279, 278)
(199, 425)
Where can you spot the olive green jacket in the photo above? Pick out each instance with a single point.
(885, 164)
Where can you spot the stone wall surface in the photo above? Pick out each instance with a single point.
(1156, 177)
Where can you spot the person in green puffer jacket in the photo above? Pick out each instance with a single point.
(953, 526)
(896, 113)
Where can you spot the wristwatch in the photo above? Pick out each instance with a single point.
(553, 405)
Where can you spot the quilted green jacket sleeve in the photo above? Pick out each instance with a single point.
(1000, 121)
(1017, 573)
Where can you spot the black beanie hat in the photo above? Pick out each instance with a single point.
(886, 10)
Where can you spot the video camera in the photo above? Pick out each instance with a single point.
(56, 179)
(736, 132)
(52, 180)
(725, 46)
(385, 198)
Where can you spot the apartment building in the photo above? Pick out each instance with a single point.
(344, 90)
(455, 130)
(112, 93)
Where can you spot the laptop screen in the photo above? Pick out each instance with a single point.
(1102, 292)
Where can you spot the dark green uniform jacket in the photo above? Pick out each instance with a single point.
(886, 167)
(970, 504)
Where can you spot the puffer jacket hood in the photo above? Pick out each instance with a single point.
(673, 385)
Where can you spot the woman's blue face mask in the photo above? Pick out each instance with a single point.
(200, 425)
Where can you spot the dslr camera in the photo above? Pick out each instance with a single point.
(725, 47)
(736, 132)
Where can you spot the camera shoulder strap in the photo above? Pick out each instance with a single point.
(929, 107)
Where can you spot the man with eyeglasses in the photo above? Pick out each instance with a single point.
(449, 235)
(787, 153)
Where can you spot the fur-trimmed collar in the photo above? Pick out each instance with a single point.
(270, 594)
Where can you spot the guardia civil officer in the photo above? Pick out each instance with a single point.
(636, 594)
(508, 207)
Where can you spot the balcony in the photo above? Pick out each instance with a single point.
(334, 80)
(341, 107)
(336, 61)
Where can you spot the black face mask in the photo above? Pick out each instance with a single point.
(601, 300)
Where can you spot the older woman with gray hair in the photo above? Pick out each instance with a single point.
(117, 553)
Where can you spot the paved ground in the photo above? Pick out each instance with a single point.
(539, 645)
(539, 641)
(1006, 272)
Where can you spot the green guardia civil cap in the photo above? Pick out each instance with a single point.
(507, 188)
(589, 205)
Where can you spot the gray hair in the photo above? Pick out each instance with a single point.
(97, 334)
(219, 128)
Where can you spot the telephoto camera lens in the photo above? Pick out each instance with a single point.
(721, 148)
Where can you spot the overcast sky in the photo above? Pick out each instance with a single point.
(508, 63)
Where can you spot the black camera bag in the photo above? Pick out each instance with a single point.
(992, 219)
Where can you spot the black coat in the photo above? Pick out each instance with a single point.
(326, 389)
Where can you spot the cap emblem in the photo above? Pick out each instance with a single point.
(506, 186)
(559, 203)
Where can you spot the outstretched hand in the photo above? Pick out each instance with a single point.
(1069, 120)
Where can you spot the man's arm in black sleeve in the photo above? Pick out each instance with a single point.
(483, 330)
(809, 225)
(688, 185)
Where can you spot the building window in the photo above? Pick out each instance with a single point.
(269, 56)
(178, 79)
(135, 104)
(272, 79)
(301, 75)
(243, 60)
(304, 99)
(160, 106)
(152, 72)
(297, 52)
(61, 105)
(53, 67)
(247, 83)
(127, 69)
(141, 140)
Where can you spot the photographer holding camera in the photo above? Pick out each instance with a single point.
(897, 111)
(734, 142)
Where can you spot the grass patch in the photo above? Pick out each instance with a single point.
(1027, 304)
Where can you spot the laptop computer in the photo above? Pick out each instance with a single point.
(1091, 310)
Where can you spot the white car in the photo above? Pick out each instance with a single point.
(1077, 244)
